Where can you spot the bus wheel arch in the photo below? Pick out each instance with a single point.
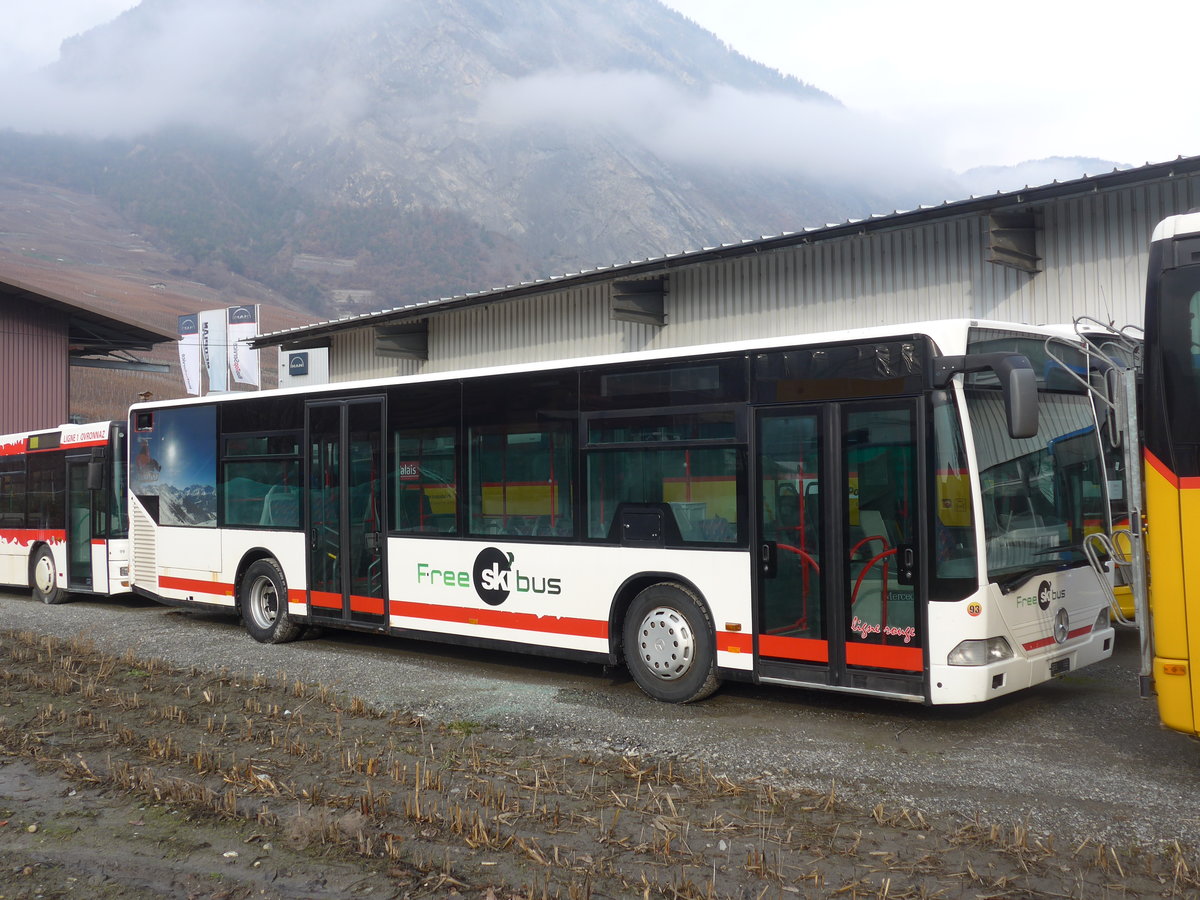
(668, 638)
(261, 596)
(43, 575)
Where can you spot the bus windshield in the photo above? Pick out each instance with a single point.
(1041, 495)
(1178, 337)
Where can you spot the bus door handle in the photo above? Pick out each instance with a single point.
(906, 564)
(768, 556)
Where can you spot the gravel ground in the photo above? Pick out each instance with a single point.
(1079, 758)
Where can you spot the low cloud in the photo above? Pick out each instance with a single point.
(723, 126)
(223, 64)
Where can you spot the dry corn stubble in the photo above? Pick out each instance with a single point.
(437, 808)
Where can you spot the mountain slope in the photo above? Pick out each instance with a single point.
(533, 136)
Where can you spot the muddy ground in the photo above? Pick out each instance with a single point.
(123, 776)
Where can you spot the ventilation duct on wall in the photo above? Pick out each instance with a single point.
(642, 301)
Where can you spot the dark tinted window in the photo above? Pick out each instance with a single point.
(47, 485)
(522, 433)
(686, 382)
(846, 371)
(12, 491)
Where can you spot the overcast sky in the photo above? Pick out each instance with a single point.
(985, 83)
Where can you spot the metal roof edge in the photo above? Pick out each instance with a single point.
(142, 332)
(746, 247)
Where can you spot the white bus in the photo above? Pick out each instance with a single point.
(63, 525)
(863, 511)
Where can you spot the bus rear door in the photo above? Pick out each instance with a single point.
(345, 511)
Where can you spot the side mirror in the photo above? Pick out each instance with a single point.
(95, 475)
(1018, 383)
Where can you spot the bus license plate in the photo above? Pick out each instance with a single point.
(1060, 666)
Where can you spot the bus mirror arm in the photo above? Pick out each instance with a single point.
(1018, 382)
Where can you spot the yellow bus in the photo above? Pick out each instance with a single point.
(1171, 422)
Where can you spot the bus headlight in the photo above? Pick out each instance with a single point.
(980, 653)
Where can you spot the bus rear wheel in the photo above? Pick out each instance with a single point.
(263, 603)
(44, 579)
(670, 647)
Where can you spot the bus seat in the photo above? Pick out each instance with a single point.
(281, 507)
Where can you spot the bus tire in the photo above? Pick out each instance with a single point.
(263, 604)
(44, 579)
(670, 646)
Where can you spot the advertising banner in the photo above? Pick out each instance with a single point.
(189, 352)
(242, 328)
(213, 348)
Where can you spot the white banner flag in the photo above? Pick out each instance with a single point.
(189, 352)
(212, 348)
(242, 329)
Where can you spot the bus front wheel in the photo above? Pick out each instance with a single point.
(670, 648)
(44, 579)
(264, 604)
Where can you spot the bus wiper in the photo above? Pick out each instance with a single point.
(1010, 584)
(1061, 548)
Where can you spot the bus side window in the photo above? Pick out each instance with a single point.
(424, 490)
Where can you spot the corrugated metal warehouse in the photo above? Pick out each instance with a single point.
(1040, 255)
(41, 335)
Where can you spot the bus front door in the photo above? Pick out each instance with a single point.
(344, 512)
(80, 517)
(839, 546)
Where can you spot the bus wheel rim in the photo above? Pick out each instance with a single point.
(666, 644)
(43, 573)
(264, 601)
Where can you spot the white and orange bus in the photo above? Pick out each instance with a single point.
(896, 511)
(63, 524)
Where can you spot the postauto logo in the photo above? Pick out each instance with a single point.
(495, 576)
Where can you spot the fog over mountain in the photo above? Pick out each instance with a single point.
(386, 151)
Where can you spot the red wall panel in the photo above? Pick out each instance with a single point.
(34, 370)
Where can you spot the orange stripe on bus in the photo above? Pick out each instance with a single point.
(802, 649)
(734, 642)
(497, 618)
(884, 656)
(195, 585)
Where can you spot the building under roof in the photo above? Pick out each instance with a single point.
(42, 334)
(1042, 254)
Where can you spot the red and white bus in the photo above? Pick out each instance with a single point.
(872, 511)
(63, 524)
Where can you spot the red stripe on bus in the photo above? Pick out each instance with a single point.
(1047, 641)
(373, 605)
(12, 449)
(195, 585)
(27, 536)
(325, 600)
(884, 656)
(802, 649)
(1190, 482)
(297, 596)
(496, 618)
(98, 542)
(734, 642)
(328, 600)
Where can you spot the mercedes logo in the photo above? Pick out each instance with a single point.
(1062, 625)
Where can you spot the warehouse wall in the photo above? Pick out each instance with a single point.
(1093, 248)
